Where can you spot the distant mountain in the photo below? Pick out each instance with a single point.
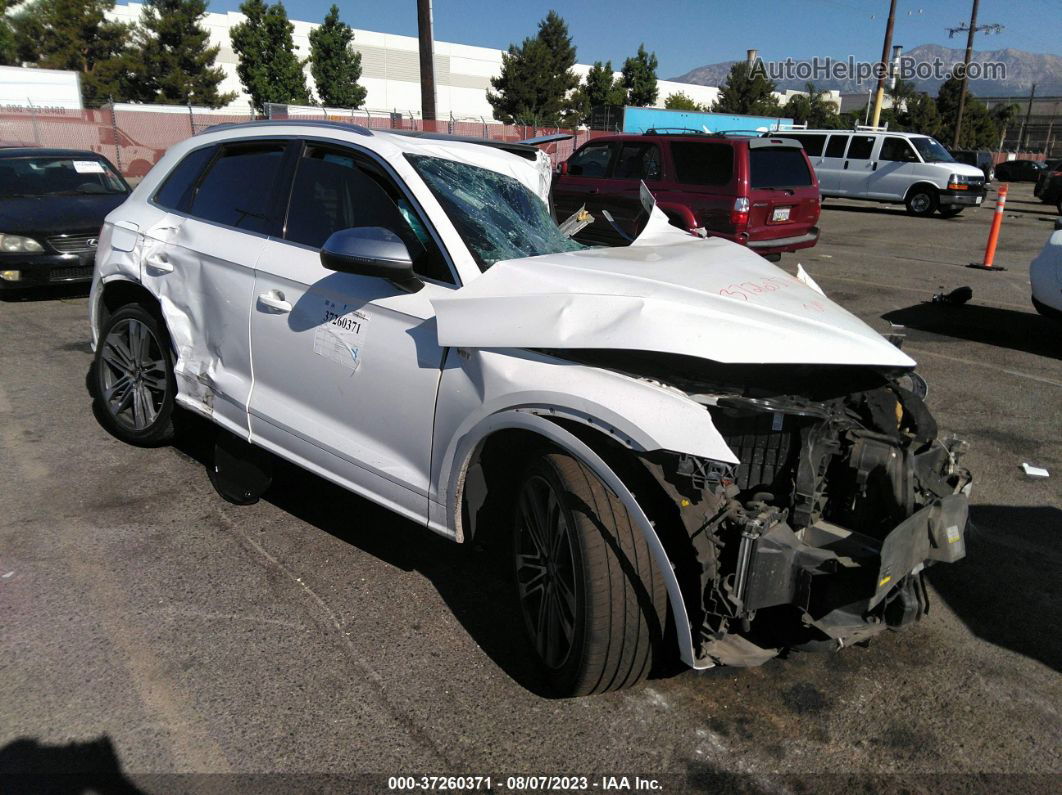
(1022, 70)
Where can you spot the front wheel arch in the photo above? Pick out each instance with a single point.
(916, 208)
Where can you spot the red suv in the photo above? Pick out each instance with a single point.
(760, 192)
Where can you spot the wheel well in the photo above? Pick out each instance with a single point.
(911, 189)
(117, 294)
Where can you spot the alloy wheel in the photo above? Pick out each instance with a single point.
(133, 382)
(546, 571)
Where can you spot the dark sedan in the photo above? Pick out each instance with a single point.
(1049, 184)
(52, 206)
(1019, 170)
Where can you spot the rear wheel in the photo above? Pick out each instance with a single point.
(133, 379)
(591, 597)
(921, 201)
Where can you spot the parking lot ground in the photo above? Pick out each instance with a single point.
(148, 628)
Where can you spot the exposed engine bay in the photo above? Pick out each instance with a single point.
(819, 536)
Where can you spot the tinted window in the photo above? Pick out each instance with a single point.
(812, 144)
(638, 161)
(58, 176)
(778, 167)
(174, 191)
(334, 190)
(239, 187)
(861, 147)
(835, 148)
(703, 163)
(590, 161)
(897, 149)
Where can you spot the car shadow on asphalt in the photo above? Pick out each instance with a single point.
(53, 293)
(28, 765)
(1003, 328)
(472, 578)
(1006, 590)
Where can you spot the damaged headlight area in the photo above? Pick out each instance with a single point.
(819, 536)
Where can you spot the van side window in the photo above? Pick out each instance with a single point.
(897, 150)
(813, 144)
(590, 161)
(836, 146)
(861, 147)
(176, 189)
(240, 187)
(703, 163)
(334, 190)
(638, 161)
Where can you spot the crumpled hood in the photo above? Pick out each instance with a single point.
(671, 293)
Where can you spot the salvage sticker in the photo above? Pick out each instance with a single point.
(341, 335)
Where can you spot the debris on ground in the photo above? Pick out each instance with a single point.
(957, 297)
(1034, 471)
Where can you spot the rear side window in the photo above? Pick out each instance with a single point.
(836, 146)
(703, 163)
(898, 150)
(778, 167)
(176, 190)
(238, 190)
(590, 161)
(813, 144)
(638, 161)
(861, 147)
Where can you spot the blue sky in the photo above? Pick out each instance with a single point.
(685, 35)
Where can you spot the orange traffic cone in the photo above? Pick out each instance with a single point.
(993, 235)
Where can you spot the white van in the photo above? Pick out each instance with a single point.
(888, 166)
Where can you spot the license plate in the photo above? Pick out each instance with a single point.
(781, 214)
(978, 199)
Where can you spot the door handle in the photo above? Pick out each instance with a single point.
(846, 164)
(274, 301)
(159, 263)
(875, 166)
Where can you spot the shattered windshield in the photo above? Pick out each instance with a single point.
(497, 216)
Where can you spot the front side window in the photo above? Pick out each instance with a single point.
(930, 150)
(703, 163)
(638, 161)
(69, 175)
(239, 188)
(590, 161)
(897, 150)
(335, 190)
(497, 217)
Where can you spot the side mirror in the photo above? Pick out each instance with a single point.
(371, 251)
(562, 169)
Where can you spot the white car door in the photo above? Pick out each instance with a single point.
(856, 169)
(198, 259)
(346, 367)
(829, 167)
(894, 169)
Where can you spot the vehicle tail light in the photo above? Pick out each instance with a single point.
(739, 216)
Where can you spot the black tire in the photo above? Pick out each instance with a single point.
(141, 412)
(618, 598)
(949, 212)
(921, 201)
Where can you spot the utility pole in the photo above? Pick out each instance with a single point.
(879, 95)
(971, 31)
(1023, 144)
(427, 61)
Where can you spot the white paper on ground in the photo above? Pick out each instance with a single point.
(1036, 472)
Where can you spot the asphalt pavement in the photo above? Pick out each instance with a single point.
(153, 632)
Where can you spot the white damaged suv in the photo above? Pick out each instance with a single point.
(684, 448)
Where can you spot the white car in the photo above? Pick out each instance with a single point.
(1045, 275)
(675, 439)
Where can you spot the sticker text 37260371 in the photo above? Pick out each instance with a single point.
(341, 335)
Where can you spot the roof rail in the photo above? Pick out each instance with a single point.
(677, 131)
(337, 125)
(871, 128)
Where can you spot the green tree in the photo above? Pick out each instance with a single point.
(639, 78)
(812, 109)
(682, 101)
(8, 48)
(334, 65)
(902, 93)
(920, 115)
(748, 92)
(75, 35)
(176, 62)
(268, 66)
(536, 77)
(980, 129)
(599, 88)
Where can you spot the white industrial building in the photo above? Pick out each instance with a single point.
(391, 69)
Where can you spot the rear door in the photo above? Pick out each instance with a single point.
(783, 198)
(893, 169)
(856, 168)
(830, 166)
